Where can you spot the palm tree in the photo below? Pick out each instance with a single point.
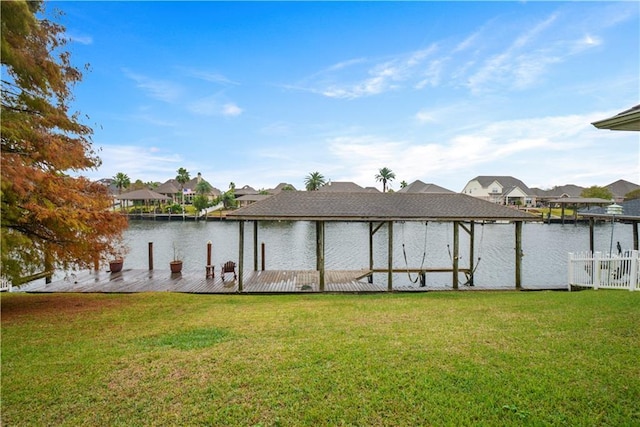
(203, 188)
(313, 181)
(121, 180)
(201, 201)
(403, 184)
(183, 177)
(385, 175)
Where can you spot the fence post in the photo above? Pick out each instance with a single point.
(150, 256)
(570, 272)
(633, 281)
(596, 269)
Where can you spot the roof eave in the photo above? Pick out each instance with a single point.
(376, 219)
(628, 122)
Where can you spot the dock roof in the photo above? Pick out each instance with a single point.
(362, 206)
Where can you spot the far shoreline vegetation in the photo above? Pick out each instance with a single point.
(203, 195)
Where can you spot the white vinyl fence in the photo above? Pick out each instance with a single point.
(611, 271)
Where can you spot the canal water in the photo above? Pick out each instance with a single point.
(291, 246)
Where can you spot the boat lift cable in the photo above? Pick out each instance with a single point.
(475, 267)
(424, 255)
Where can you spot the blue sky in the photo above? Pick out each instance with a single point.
(260, 93)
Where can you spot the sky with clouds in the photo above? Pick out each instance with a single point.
(259, 93)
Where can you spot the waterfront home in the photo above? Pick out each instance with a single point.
(557, 192)
(171, 188)
(504, 190)
(245, 191)
(344, 187)
(283, 186)
(418, 186)
(620, 188)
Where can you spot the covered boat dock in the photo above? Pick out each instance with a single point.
(381, 210)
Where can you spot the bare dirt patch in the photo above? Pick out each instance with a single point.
(15, 307)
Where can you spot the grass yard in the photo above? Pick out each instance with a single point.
(440, 358)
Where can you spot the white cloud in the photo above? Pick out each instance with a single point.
(148, 118)
(518, 58)
(210, 106)
(77, 38)
(231, 110)
(162, 90)
(424, 116)
(547, 149)
(147, 164)
(211, 77)
(369, 78)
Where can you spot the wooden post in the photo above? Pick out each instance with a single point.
(150, 256)
(320, 252)
(518, 255)
(262, 257)
(634, 224)
(390, 257)
(472, 235)
(209, 268)
(241, 256)
(371, 245)
(255, 245)
(562, 214)
(372, 232)
(370, 277)
(591, 234)
(456, 253)
(317, 245)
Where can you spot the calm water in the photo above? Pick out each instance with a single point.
(291, 246)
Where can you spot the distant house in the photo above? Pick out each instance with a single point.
(171, 188)
(248, 195)
(504, 190)
(371, 190)
(418, 186)
(245, 191)
(248, 199)
(621, 187)
(283, 186)
(342, 187)
(557, 192)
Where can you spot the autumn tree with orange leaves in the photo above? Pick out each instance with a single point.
(51, 217)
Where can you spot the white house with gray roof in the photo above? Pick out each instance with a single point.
(504, 190)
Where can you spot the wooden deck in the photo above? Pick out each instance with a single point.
(270, 281)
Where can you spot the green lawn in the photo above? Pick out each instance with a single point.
(440, 358)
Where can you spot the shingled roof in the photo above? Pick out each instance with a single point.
(630, 211)
(340, 187)
(626, 120)
(329, 206)
(507, 182)
(418, 186)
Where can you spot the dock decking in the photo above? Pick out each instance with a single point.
(269, 281)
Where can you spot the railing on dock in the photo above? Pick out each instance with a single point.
(611, 271)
